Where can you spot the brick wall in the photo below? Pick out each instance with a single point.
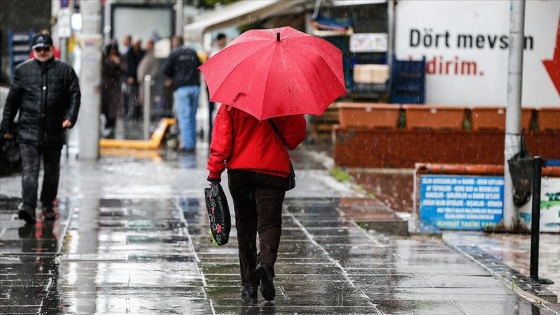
(370, 148)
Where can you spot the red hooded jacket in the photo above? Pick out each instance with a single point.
(242, 142)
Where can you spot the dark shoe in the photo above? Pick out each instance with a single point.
(186, 151)
(26, 231)
(266, 276)
(48, 214)
(28, 215)
(249, 293)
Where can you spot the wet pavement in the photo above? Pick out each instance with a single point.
(133, 238)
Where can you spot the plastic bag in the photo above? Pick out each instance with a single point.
(10, 157)
(521, 171)
(218, 214)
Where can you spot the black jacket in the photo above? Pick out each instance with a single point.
(45, 94)
(182, 66)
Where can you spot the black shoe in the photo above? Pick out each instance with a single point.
(249, 293)
(266, 276)
(186, 150)
(49, 214)
(28, 215)
(26, 231)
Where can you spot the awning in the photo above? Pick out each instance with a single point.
(238, 13)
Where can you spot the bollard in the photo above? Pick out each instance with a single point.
(538, 164)
(147, 101)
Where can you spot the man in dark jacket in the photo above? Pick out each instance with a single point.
(182, 68)
(46, 93)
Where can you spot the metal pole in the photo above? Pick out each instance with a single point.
(391, 25)
(535, 217)
(90, 79)
(107, 21)
(147, 101)
(513, 113)
(179, 19)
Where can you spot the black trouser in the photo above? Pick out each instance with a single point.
(131, 106)
(257, 200)
(31, 156)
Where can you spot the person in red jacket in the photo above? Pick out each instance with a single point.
(258, 165)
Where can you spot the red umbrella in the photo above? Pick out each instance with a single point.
(276, 72)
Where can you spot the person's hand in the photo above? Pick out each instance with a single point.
(115, 59)
(168, 83)
(213, 181)
(66, 124)
(130, 80)
(8, 135)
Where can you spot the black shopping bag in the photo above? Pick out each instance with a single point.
(521, 171)
(218, 214)
(10, 157)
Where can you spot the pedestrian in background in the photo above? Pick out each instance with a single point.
(111, 73)
(56, 52)
(46, 93)
(126, 44)
(181, 68)
(148, 66)
(133, 57)
(258, 165)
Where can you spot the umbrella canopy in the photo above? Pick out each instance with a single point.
(276, 72)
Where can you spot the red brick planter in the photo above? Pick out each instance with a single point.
(371, 148)
(485, 118)
(368, 115)
(434, 117)
(548, 119)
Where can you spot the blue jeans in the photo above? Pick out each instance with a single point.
(186, 103)
(31, 156)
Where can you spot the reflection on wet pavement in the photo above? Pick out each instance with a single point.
(155, 256)
(29, 266)
(393, 187)
(134, 239)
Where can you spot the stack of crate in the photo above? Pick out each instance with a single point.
(408, 79)
(320, 127)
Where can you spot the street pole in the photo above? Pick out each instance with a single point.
(391, 25)
(107, 20)
(90, 79)
(513, 113)
(179, 18)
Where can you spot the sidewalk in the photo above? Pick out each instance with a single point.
(133, 238)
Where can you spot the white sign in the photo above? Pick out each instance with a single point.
(64, 25)
(466, 48)
(550, 207)
(368, 42)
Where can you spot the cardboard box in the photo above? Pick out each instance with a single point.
(371, 73)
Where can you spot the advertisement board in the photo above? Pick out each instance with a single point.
(550, 207)
(466, 48)
(461, 202)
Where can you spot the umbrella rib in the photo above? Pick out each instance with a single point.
(305, 77)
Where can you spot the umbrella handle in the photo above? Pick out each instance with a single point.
(278, 36)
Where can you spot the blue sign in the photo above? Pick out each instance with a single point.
(461, 202)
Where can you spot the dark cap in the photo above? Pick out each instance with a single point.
(42, 40)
